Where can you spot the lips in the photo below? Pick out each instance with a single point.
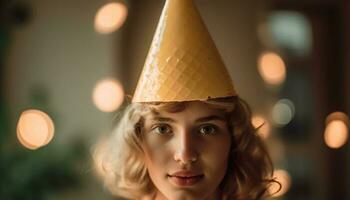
(185, 178)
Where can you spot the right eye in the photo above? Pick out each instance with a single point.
(161, 129)
(208, 129)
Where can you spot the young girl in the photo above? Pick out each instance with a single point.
(188, 150)
(186, 134)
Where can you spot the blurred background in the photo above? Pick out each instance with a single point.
(66, 67)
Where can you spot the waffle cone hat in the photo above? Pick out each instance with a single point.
(183, 63)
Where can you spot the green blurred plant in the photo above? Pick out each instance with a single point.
(27, 174)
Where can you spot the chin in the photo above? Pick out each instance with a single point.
(184, 195)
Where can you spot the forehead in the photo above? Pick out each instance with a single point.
(186, 109)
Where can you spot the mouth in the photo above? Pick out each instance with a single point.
(185, 179)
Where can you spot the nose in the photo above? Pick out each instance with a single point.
(185, 148)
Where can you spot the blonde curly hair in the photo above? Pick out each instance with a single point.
(249, 171)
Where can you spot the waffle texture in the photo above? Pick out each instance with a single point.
(183, 63)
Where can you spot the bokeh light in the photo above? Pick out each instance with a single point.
(34, 129)
(283, 177)
(272, 68)
(290, 30)
(283, 112)
(261, 122)
(337, 129)
(336, 134)
(108, 95)
(338, 116)
(110, 17)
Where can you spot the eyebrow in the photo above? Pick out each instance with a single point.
(163, 119)
(203, 119)
(211, 118)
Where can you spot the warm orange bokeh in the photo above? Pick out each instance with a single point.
(110, 17)
(108, 95)
(272, 68)
(34, 129)
(283, 177)
(337, 129)
(336, 134)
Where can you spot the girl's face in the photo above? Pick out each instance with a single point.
(186, 153)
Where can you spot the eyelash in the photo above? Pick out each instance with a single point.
(155, 127)
(214, 127)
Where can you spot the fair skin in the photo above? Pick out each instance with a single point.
(186, 153)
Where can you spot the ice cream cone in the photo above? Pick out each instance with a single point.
(183, 63)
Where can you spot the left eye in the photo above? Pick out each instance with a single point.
(162, 129)
(207, 129)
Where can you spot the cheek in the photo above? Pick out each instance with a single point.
(153, 159)
(156, 160)
(156, 156)
(216, 155)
